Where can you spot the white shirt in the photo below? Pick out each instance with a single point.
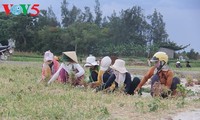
(68, 68)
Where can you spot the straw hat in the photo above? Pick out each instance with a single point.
(119, 65)
(105, 63)
(90, 61)
(72, 55)
(48, 55)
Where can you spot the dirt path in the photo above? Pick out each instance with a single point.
(188, 115)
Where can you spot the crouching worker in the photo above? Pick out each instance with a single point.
(49, 67)
(162, 81)
(104, 72)
(93, 66)
(69, 71)
(120, 79)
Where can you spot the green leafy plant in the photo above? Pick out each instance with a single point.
(182, 91)
(197, 82)
(181, 103)
(190, 82)
(154, 105)
(72, 78)
(139, 106)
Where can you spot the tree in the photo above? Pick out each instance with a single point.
(156, 35)
(74, 15)
(98, 13)
(87, 15)
(65, 13)
(50, 39)
(22, 31)
(192, 54)
(134, 26)
(157, 31)
(115, 29)
(84, 36)
(105, 22)
(5, 24)
(69, 16)
(128, 30)
(51, 17)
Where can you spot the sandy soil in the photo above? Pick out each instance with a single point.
(188, 115)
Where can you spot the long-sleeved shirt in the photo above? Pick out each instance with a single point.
(48, 71)
(68, 68)
(165, 76)
(112, 84)
(100, 79)
(95, 71)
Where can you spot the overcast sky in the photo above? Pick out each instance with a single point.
(182, 17)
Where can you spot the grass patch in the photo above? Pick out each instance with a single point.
(26, 56)
(22, 97)
(23, 58)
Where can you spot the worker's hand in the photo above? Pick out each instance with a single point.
(136, 90)
(48, 83)
(108, 90)
(92, 85)
(40, 80)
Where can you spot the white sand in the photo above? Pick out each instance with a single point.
(189, 115)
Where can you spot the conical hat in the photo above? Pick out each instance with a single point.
(72, 55)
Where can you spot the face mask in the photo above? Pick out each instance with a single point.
(51, 64)
(115, 72)
(66, 62)
(157, 64)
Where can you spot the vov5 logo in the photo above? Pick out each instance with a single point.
(21, 8)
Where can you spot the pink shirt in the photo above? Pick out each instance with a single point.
(47, 72)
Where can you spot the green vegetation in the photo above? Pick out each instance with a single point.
(26, 56)
(193, 63)
(22, 97)
(127, 33)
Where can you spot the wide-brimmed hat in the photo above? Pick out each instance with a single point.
(72, 55)
(105, 63)
(48, 55)
(91, 61)
(119, 65)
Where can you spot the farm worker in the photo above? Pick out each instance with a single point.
(160, 73)
(69, 68)
(93, 66)
(120, 78)
(104, 72)
(178, 64)
(188, 64)
(50, 66)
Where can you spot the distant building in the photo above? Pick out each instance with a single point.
(168, 51)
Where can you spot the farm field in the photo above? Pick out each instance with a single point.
(22, 97)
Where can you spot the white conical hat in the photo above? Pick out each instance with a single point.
(72, 55)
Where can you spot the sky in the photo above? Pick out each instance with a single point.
(182, 17)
